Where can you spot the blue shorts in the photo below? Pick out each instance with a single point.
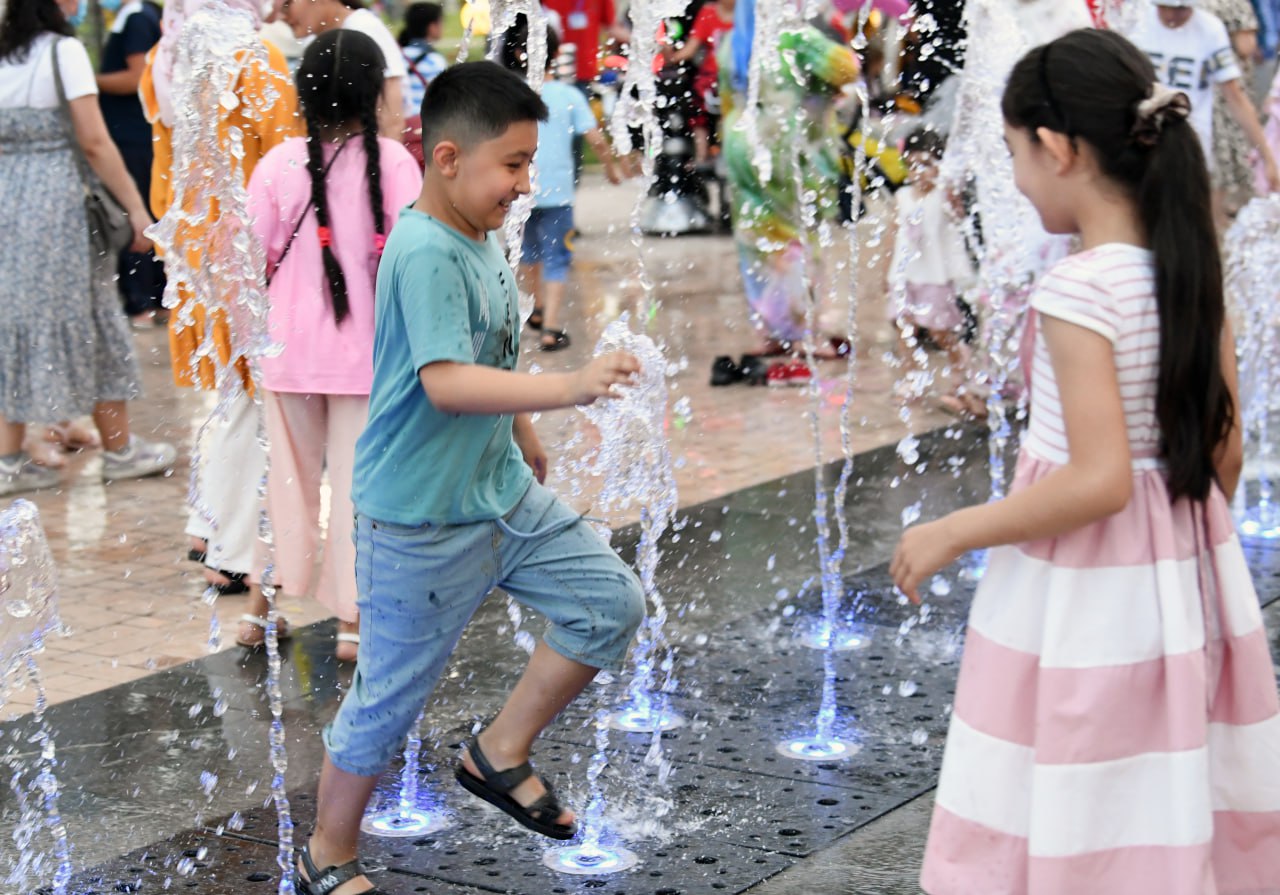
(546, 241)
(418, 588)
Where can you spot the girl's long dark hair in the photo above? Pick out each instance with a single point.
(24, 21)
(1088, 85)
(339, 82)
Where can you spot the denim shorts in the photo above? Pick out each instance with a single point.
(546, 241)
(418, 588)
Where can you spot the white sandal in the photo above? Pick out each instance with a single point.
(282, 631)
(349, 637)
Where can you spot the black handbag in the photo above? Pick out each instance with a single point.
(109, 228)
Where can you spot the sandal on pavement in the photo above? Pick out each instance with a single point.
(347, 637)
(559, 339)
(535, 319)
(322, 882)
(966, 407)
(496, 788)
(282, 631)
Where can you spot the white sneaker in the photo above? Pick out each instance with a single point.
(138, 460)
(21, 474)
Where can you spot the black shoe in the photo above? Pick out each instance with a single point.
(724, 371)
(754, 369)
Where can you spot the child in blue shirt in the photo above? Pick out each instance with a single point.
(546, 254)
(448, 495)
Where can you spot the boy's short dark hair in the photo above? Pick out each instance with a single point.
(926, 141)
(474, 102)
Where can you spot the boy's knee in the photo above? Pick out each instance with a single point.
(631, 608)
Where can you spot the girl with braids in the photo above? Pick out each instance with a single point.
(1116, 727)
(322, 207)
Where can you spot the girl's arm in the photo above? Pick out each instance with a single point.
(1228, 459)
(1095, 483)
(104, 158)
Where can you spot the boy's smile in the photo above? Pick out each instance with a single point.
(491, 176)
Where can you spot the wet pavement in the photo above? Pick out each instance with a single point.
(161, 746)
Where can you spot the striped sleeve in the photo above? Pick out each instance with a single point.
(1071, 293)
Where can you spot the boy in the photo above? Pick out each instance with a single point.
(546, 253)
(448, 494)
(1192, 52)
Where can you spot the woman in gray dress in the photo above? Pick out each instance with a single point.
(1232, 167)
(65, 345)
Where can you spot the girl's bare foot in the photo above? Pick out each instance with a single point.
(73, 435)
(45, 454)
(348, 647)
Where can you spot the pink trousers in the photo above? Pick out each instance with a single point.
(309, 435)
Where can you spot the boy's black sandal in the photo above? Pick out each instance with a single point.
(496, 787)
(559, 339)
(322, 882)
(535, 319)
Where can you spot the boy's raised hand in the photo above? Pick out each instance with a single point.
(597, 379)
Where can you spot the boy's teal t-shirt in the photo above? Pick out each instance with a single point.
(440, 297)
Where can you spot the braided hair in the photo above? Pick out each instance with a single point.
(339, 83)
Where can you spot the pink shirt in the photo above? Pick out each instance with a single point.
(320, 357)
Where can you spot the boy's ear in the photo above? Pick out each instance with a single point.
(1059, 146)
(445, 158)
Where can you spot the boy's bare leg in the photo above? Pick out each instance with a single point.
(552, 298)
(549, 683)
(340, 805)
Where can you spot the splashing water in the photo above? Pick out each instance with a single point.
(214, 262)
(28, 606)
(1252, 260)
(634, 463)
(411, 815)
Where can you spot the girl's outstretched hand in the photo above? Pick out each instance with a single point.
(923, 551)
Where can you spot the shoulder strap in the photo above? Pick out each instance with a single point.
(302, 217)
(413, 65)
(82, 164)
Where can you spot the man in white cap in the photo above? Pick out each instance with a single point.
(1192, 52)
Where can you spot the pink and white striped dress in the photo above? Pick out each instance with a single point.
(1116, 728)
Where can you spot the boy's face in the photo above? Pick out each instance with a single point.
(484, 179)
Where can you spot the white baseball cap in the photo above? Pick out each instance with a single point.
(1176, 3)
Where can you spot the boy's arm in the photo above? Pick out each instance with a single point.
(1247, 117)
(600, 146)
(478, 389)
(530, 446)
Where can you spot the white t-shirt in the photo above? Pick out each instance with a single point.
(1193, 59)
(30, 83)
(367, 23)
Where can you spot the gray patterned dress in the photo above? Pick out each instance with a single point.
(1232, 168)
(65, 343)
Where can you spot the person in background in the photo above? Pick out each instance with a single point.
(423, 25)
(585, 24)
(712, 21)
(135, 30)
(65, 346)
(1192, 52)
(546, 257)
(223, 527)
(1232, 169)
(322, 207)
(308, 18)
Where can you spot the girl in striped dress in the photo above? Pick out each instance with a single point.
(1116, 728)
